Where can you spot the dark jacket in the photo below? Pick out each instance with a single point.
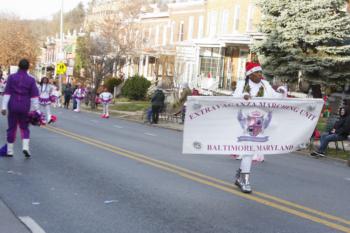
(342, 126)
(68, 91)
(158, 98)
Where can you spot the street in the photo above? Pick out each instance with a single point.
(95, 175)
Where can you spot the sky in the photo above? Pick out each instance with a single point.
(37, 9)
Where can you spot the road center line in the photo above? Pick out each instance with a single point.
(31, 224)
(213, 182)
(118, 126)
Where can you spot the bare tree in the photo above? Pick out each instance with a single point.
(16, 41)
(112, 44)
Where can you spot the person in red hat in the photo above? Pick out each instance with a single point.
(253, 86)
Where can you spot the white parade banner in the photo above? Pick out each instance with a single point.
(228, 125)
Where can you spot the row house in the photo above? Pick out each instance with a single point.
(50, 52)
(204, 43)
(221, 52)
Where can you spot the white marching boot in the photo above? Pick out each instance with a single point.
(242, 181)
(25, 146)
(9, 152)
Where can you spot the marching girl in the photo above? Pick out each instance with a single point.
(45, 97)
(56, 96)
(106, 98)
(79, 95)
(2, 84)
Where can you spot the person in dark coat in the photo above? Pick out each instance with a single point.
(157, 104)
(68, 92)
(339, 132)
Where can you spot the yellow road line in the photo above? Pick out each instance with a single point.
(276, 199)
(207, 180)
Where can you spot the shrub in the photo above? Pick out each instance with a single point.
(136, 87)
(110, 83)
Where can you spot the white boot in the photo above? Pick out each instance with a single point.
(25, 146)
(243, 183)
(9, 152)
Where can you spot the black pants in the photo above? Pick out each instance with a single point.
(155, 113)
(66, 101)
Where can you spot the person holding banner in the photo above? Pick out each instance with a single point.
(253, 86)
(21, 95)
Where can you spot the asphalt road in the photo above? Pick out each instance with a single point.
(92, 175)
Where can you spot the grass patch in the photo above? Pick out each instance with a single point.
(340, 154)
(131, 106)
(122, 99)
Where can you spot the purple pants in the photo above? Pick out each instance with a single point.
(14, 120)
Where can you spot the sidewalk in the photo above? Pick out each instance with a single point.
(9, 223)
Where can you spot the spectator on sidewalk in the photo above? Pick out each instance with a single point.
(339, 132)
(68, 92)
(88, 95)
(157, 104)
(186, 91)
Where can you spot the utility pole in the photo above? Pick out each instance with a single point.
(61, 56)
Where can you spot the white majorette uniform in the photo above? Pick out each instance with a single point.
(56, 97)
(261, 89)
(45, 93)
(2, 86)
(106, 98)
(79, 95)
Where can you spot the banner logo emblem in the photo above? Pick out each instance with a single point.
(253, 125)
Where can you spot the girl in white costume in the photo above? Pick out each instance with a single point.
(78, 95)
(56, 96)
(45, 93)
(105, 97)
(253, 86)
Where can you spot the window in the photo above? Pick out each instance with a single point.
(173, 24)
(243, 55)
(200, 26)
(181, 31)
(250, 18)
(165, 32)
(157, 35)
(236, 19)
(224, 21)
(210, 62)
(190, 27)
(213, 23)
(150, 32)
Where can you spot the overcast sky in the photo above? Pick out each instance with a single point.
(36, 9)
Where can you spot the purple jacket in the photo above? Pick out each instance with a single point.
(21, 87)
